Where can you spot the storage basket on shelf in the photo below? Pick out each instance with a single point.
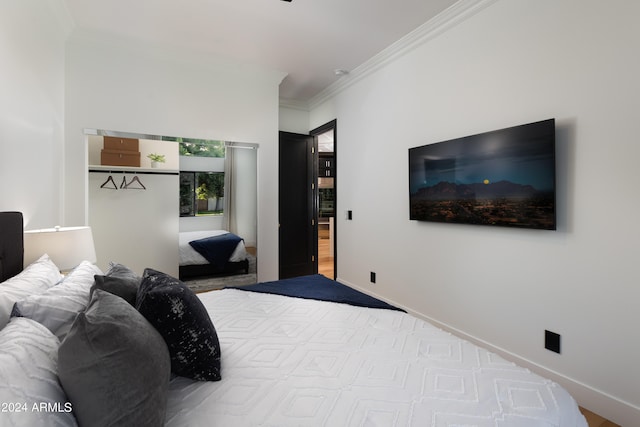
(119, 151)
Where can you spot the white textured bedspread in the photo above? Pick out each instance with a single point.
(294, 362)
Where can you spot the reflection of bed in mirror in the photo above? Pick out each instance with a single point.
(211, 253)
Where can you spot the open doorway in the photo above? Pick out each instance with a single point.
(326, 198)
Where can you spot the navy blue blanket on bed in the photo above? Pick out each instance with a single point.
(217, 249)
(318, 287)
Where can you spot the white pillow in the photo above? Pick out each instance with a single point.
(6, 304)
(29, 384)
(36, 278)
(83, 274)
(57, 307)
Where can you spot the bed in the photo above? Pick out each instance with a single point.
(299, 352)
(211, 253)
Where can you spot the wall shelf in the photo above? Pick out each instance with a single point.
(129, 169)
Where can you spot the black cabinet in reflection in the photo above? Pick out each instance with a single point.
(327, 202)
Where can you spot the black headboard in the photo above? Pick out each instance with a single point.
(11, 244)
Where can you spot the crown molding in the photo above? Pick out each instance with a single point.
(450, 17)
(294, 104)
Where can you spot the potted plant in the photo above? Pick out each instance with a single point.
(155, 159)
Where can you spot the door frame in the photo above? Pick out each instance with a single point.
(332, 125)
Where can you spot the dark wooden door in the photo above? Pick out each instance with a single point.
(297, 211)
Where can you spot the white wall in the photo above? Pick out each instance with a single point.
(294, 120)
(125, 87)
(245, 181)
(133, 226)
(199, 223)
(514, 62)
(32, 35)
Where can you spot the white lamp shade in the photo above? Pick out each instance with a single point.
(66, 246)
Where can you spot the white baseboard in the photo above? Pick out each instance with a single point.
(620, 412)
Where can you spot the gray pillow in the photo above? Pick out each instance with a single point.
(119, 280)
(114, 366)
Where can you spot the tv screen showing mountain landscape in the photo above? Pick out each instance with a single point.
(504, 177)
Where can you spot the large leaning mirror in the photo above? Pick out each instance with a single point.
(184, 206)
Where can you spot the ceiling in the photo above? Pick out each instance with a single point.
(307, 39)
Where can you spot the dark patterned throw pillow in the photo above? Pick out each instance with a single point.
(182, 320)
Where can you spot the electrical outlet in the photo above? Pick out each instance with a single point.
(373, 277)
(552, 341)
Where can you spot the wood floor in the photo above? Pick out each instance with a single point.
(595, 420)
(325, 261)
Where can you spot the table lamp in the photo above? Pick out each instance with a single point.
(66, 246)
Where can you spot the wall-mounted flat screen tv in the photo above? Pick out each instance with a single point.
(504, 177)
